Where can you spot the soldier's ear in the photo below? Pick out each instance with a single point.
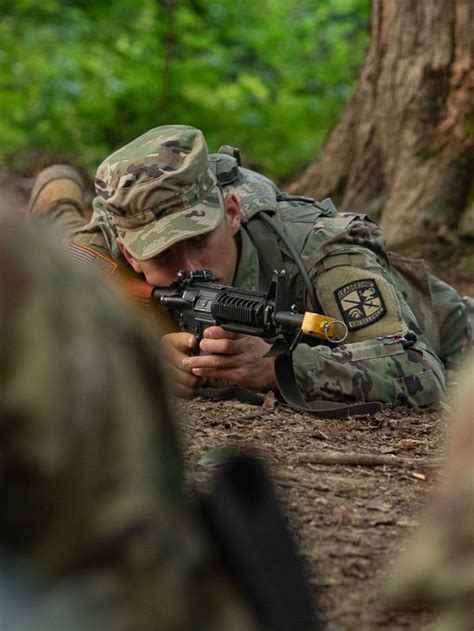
(232, 212)
(130, 259)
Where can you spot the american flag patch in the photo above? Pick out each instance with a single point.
(89, 257)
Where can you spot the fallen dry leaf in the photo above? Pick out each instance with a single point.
(269, 402)
(405, 444)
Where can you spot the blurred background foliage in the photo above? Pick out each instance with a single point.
(80, 78)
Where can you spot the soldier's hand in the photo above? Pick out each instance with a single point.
(234, 357)
(177, 346)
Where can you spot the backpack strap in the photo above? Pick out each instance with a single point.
(267, 244)
(277, 227)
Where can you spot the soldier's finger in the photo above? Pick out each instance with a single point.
(183, 392)
(229, 374)
(181, 380)
(226, 346)
(212, 362)
(217, 332)
(183, 342)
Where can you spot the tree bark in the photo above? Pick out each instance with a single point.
(403, 149)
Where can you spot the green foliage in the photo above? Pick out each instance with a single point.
(268, 76)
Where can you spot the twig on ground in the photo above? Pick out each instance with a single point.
(366, 460)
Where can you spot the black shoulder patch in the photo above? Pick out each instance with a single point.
(91, 258)
(361, 303)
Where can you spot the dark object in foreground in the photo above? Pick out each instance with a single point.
(246, 524)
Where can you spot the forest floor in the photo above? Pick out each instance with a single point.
(350, 521)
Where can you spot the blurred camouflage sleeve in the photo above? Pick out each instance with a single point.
(90, 466)
(67, 219)
(438, 566)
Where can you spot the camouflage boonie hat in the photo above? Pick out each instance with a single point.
(159, 190)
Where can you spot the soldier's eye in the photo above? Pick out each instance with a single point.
(160, 258)
(201, 238)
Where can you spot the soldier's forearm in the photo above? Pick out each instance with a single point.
(375, 370)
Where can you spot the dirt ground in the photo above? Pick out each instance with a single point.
(350, 521)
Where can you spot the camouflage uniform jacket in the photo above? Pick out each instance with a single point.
(436, 568)
(405, 325)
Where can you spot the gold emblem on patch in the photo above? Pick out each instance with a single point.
(361, 303)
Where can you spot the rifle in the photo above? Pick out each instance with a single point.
(196, 302)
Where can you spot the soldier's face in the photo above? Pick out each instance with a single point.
(216, 250)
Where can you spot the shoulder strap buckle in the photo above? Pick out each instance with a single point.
(230, 150)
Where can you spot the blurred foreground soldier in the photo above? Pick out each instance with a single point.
(438, 567)
(94, 529)
(164, 205)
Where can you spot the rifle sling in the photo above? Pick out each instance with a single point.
(291, 393)
(232, 392)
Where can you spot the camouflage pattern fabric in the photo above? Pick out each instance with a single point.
(90, 469)
(386, 368)
(66, 219)
(381, 297)
(159, 190)
(57, 197)
(438, 567)
(100, 234)
(438, 309)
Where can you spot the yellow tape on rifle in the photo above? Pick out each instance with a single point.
(324, 327)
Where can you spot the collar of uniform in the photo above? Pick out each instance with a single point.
(246, 275)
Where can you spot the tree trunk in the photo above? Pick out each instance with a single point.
(403, 149)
